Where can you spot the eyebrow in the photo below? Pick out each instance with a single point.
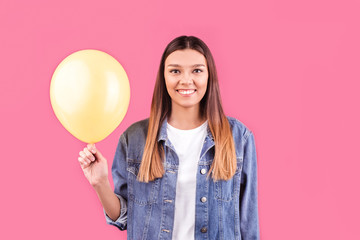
(177, 65)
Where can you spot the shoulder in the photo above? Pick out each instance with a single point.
(239, 129)
(138, 126)
(137, 130)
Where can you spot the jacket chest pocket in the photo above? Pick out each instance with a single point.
(139, 192)
(227, 190)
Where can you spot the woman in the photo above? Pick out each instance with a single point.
(188, 171)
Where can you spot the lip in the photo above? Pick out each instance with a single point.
(186, 95)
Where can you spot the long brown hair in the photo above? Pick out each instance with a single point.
(224, 164)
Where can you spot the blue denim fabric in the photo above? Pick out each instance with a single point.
(147, 209)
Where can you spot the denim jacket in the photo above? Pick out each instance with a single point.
(225, 210)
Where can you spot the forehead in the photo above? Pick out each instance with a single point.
(185, 58)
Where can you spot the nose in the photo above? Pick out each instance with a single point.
(186, 78)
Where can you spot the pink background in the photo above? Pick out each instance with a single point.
(289, 70)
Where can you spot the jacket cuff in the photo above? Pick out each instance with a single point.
(121, 221)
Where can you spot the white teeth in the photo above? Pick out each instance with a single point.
(186, 91)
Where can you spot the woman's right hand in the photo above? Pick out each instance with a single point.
(94, 165)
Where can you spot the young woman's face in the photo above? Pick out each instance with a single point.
(186, 77)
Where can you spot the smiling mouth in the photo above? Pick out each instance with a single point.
(186, 92)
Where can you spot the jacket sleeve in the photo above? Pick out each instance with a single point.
(249, 220)
(119, 174)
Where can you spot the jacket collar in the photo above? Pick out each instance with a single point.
(163, 132)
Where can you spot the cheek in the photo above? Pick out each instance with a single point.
(203, 84)
(203, 90)
(167, 82)
(170, 88)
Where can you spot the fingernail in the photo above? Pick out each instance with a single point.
(93, 150)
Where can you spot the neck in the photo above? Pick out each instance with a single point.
(185, 118)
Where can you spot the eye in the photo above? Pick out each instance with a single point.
(174, 71)
(198, 70)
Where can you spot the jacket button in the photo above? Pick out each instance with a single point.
(203, 171)
(203, 230)
(203, 199)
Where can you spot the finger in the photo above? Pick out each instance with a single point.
(86, 160)
(91, 147)
(82, 162)
(89, 154)
(83, 155)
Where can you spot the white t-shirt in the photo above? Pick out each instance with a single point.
(187, 144)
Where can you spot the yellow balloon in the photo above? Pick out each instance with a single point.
(90, 94)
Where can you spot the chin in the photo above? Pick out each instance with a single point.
(188, 105)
